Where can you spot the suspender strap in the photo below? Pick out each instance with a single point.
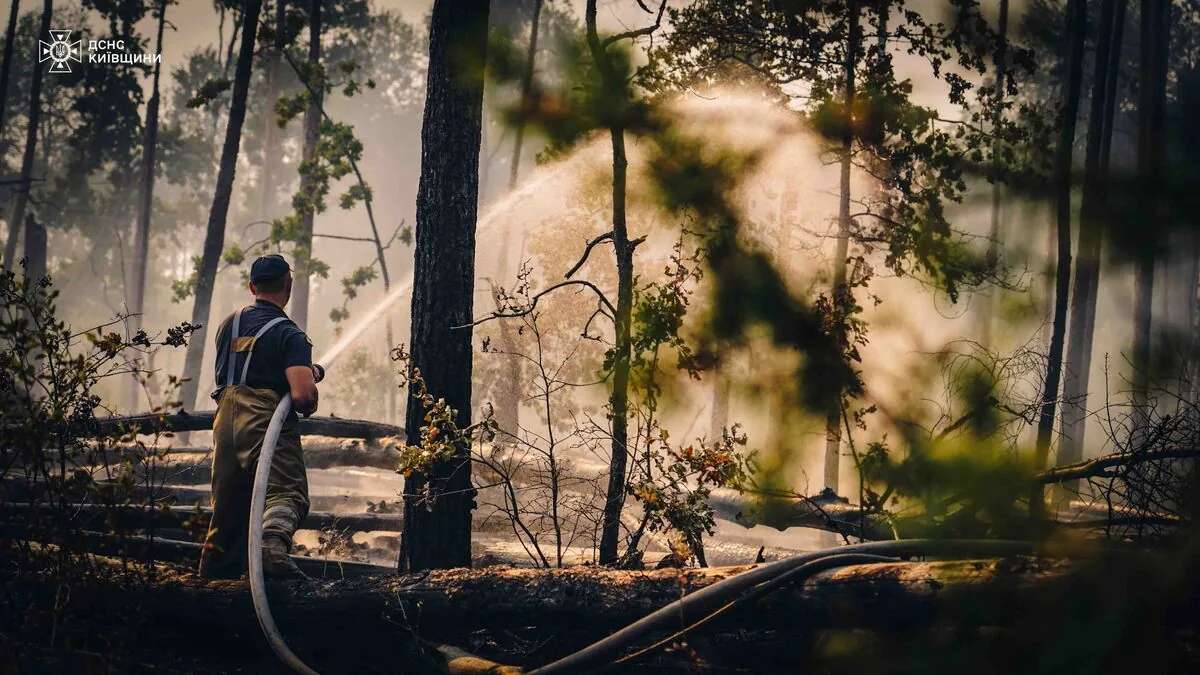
(250, 354)
(231, 362)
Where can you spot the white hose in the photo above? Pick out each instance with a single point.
(258, 501)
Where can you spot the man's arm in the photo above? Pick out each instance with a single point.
(303, 388)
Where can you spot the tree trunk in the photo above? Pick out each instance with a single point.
(6, 66)
(141, 233)
(1091, 234)
(508, 403)
(1155, 36)
(719, 413)
(439, 534)
(526, 88)
(302, 252)
(271, 150)
(1067, 113)
(16, 217)
(619, 398)
(214, 238)
(614, 501)
(833, 418)
(342, 625)
(995, 234)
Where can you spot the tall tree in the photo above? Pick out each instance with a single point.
(840, 289)
(508, 400)
(271, 154)
(1068, 112)
(438, 534)
(1151, 134)
(214, 236)
(10, 33)
(141, 232)
(526, 88)
(16, 217)
(1091, 231)
(613, 83)
(302, 251)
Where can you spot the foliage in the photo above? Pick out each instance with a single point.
(48, 377)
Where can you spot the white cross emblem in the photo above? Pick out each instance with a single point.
(59, 51)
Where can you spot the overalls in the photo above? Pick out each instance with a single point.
(243, 414)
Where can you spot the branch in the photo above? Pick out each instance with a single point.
(1099, 465)
(534, 301)
(607, 236)
(640, 32)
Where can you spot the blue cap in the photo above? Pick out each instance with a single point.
(268, 268)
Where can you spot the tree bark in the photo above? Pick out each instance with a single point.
(214, 237)
(6, 65)
(1155, 36)
(312, 132)
(1091, 233)
(1067, 114)
(271, 152)
(439, 534)
(16, 217)
(141, 233)
(833, 417)
(610, 526)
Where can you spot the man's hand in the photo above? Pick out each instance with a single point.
(303, 389)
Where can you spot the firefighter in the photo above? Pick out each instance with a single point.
(262, 355)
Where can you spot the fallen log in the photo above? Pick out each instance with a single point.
(134, 517)
(149, 423)
(185, 553)
(563, 609)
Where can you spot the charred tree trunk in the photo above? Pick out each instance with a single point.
(439, 534)
(833, 418)
(270, 165)
(610, 527)
(141, 233)
(1091, 233)
(16, 217)
(6, 66)
(214, 237)
(1155, 36)
(1067, 113)
(302, 253)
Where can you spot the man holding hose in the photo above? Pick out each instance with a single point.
(262, 355)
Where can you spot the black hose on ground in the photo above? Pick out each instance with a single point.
(795, 575)
(697, 606)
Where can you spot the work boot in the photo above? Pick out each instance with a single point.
(277, 564)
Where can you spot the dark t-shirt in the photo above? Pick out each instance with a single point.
(281, 347)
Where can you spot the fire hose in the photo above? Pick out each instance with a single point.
(258, 500)
(691, 610)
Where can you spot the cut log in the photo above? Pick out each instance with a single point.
(149, 423)
(562, 610)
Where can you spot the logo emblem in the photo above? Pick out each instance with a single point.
(59, 51)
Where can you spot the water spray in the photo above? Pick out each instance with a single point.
(258, 499)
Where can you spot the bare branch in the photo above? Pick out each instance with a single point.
(640, 32)
(534, 301)
(607, 236)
